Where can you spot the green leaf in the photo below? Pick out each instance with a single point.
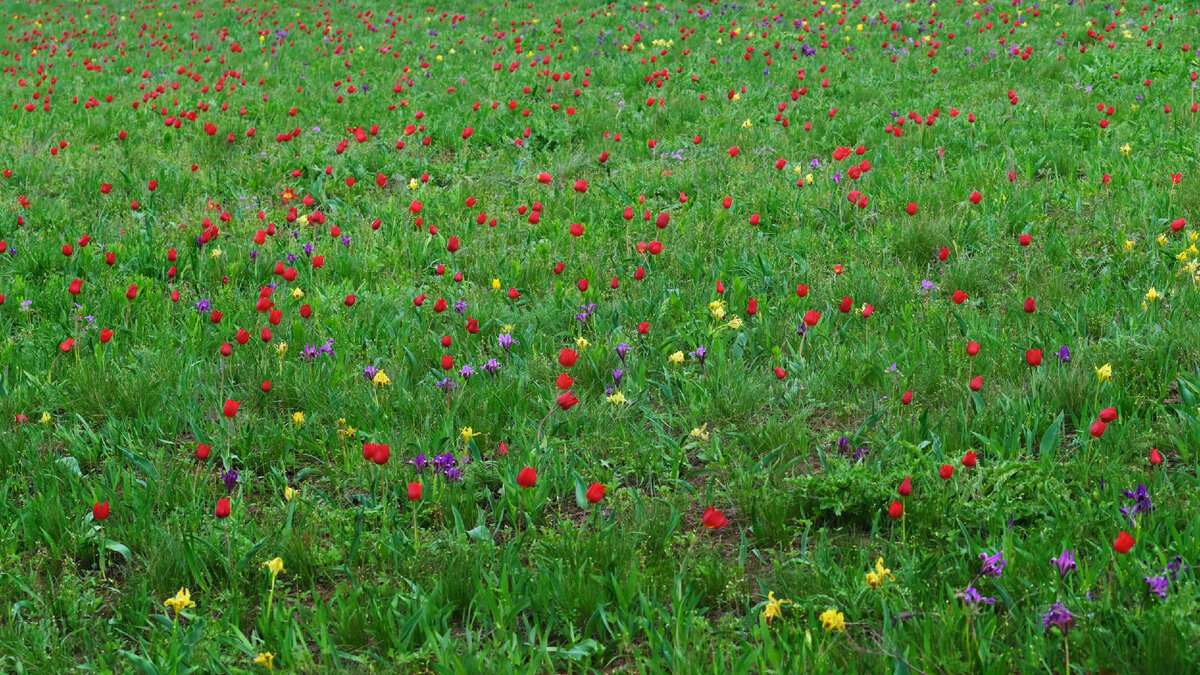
(118, 547)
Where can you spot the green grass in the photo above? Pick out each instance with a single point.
(497, 577)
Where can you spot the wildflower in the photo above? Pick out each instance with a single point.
(1162, 240)
(447, 385)
(1065, 563)
(717, 309)
(876, 578)
(617, 399)
(713, 519)
(700, 433)
(492, 366)
(506, 341)
(230, 479)
(418, 463)
(1058, 617)
(466, 372)
(297, 294)
(1141, 501)
(1156, 586)
(1103, 373)
(622, 349)
(676, 358)
(993, 565)
(735, 323)
(747, 124)
(774, 608)
(45, 419)
(832, 620)
(297, 419)
(971, 596)
(381, 379)
(468, 433)
(281, 349)
(266, 660)
(369, 373)
(617, 375)
(275, 566)
(1153, 295)
(413, 184)
(181, 601)
(216, 253)
(1063, 355)
(581, 343)
(1125, 149)
(495, 284)
(1129, 244)
(289, 492)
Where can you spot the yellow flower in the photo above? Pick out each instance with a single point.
(581, 343)
(45, 419)
(381, 379)
(181, 601)
(832, 620)
(774, 608)
(297, 419)
(276, 567)
(297, 294)
(735, 323)
(216, 253)
(808, 179)
(617, 398)
(1193, 236)
(1162, 240)
(1135, 107)
(1153, 295)
(266, 660)
(281, 349)
(1125, 149)
(495, 284)
(700, 433)
(747, 124)
(468, 433)
(1103, 373)
(303, 219)
(676, 358)
(343, 434)
(1182, 257)
(413, 184)
(1129, 244)
(875, 579)
(508, 328)
(289, 492)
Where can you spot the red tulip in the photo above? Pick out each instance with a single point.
(1030, 305)
(1033, 357)
(946, 472)
(202, 451)
(100, 511)
(503, 449)
(447, 362)
(1178, 224)
(215, 317)
(582, 285)
(1097, 429)
(564, 382)
(845, 305)
(1025, 239)
(75, 287)
(752, 307)
(581, 185)
(132, 292)
(66, 345)
(643, 328)
(977, 383)
(780, 373)
(1155, 457)
(911, 209)
(1123, 543)
(895, 510)
(452, 245)
(595, 493)
(105, 336)
(1108, 415)
(972, 348)
(231, 408)
(414, 492)
(959, 297)
(944, 254)
(801, 291)
(975, 197)
(223, 509)
(713, 519)
(543, 178)
(566, 400)
(567, 357)
(266, 386)
(382, 452)
(968, 459)
(754, 220)
(226, 349)
(905, 488)
(527, 478)
(811, 318)
(906, 398)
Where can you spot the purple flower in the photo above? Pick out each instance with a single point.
(1058, 617)
(1157, 586)
(369, 373)
(506, 342)
(1065, 563)
(492, 366)
(617, 377)
(254, 255)
(1063, 355)
(466, 371)
(971, 596)
(418, 463)
(1175, 567)
(230, 478)
(622, 349)
(447, 385)
(700, 354)
(843, 445)
(460, 307)
(203, 307)
(309, 352)
(993, 565)
(1141, 501)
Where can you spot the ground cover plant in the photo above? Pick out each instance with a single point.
(612, 337)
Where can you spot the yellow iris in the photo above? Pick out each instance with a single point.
(297, 419)
(1103, 373)
(833, 620)
(266, 660)
(876, 578)
(676, 358)
(617, 398)
(181, 601)
(381, 379)
(468, 433)
(774, 608)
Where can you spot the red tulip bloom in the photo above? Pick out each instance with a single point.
(226, 349)
(581, 185)
(1033, 357)
(215, 317)
(382, 452)
(780, 373)
(959, 297)
(266, 386)
(972, 348)
(66, 345)
(567, 357)
(811, 318)
(202, 451)
(231, 408)
(543, 178)
(752, 307)
(845, 305)
(595, 493)
(1108, 415)
(895, 510)
(582, 285)
(419, 300)
(1178, 224)
(944, 254)
(414, 492)
(452, 245)
(946, 472)
(968, 459)
(100, 511)
(1123, 543)
(1097, 429)
(1030, 305)
(801, 291)
(905, 488)
(975, 197)
(1025, 239)
(1155, 457)
(527, 478)
(75, 287)
(643, 328)
(132, 292)
(911, 209)
(564, 382)
(566, 400)
(713, 519)
(447, 362)
(977, 383)
(906, 398)
(223, 509)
